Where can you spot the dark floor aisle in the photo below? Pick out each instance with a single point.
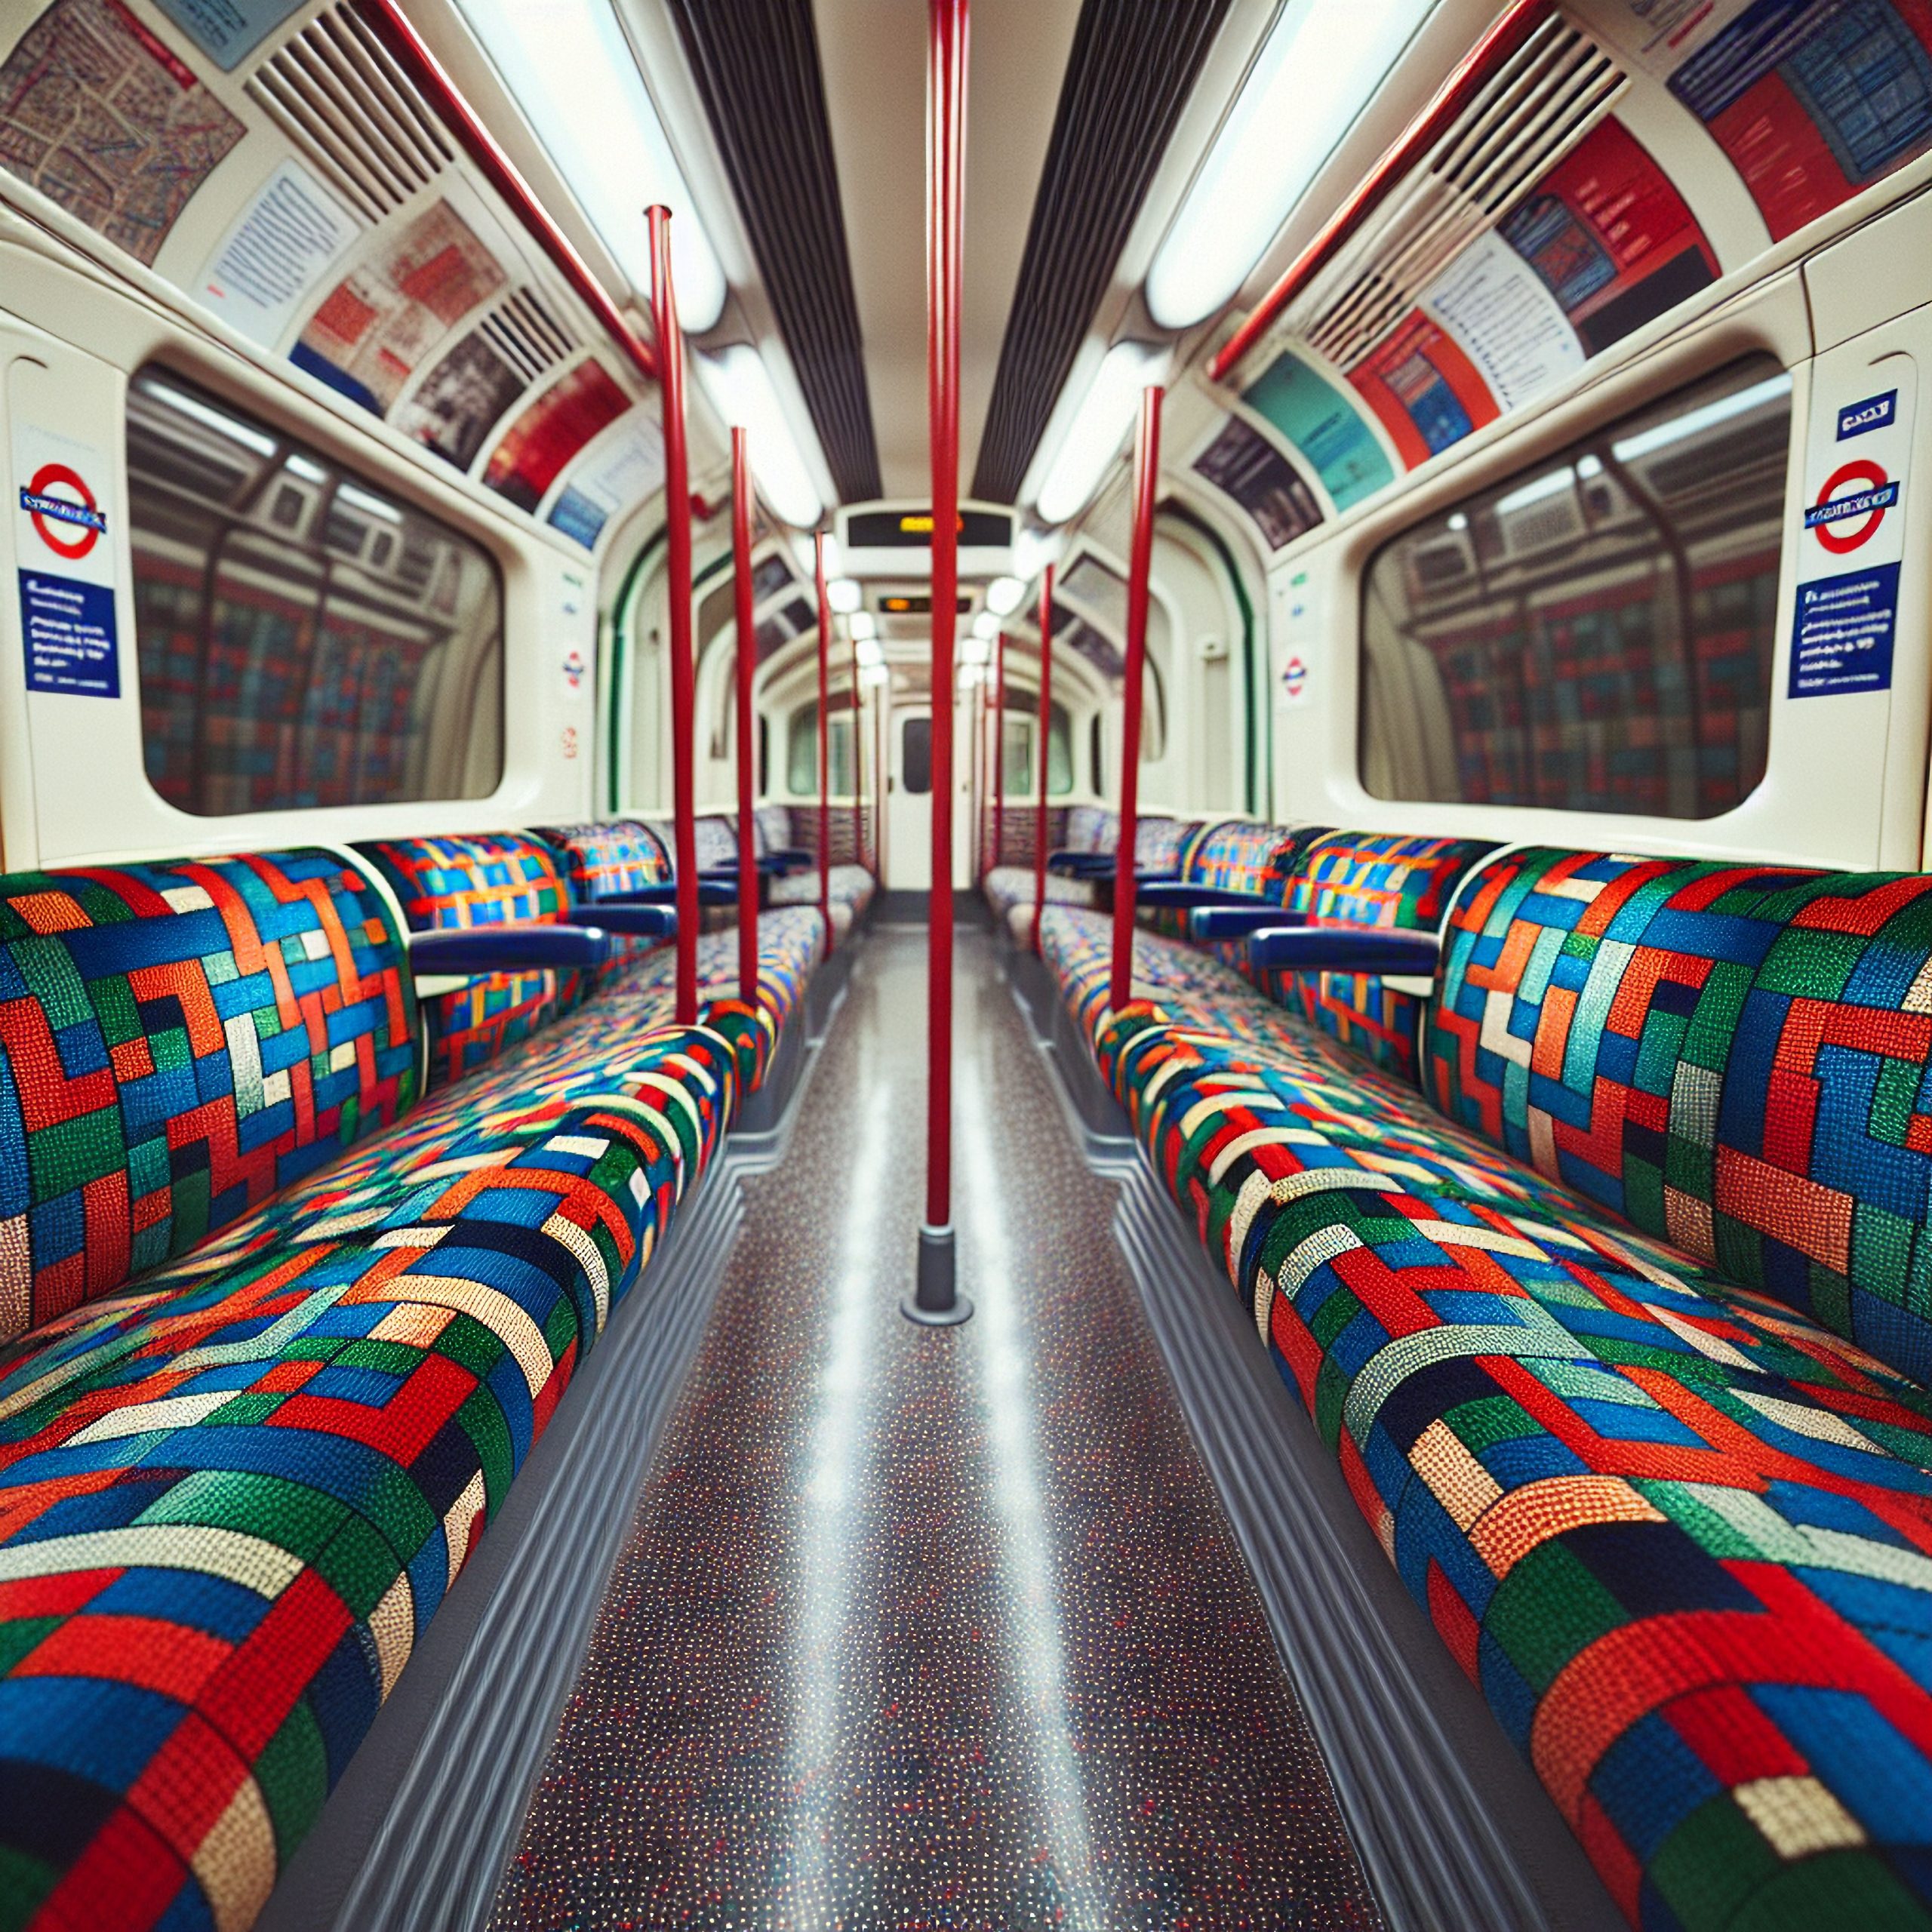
(921, 1629)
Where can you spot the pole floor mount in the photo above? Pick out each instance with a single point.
(935, 1301)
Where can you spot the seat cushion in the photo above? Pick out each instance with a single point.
(1007, 887)
(178, 1041)
(609, 856)
(480, 879)
(1733, 1058)
(852, 887)
(791, 942)
(1680, 1537)
(231, 1499)
(1077, 945)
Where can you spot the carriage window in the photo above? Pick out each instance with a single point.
(305, 639)
(915, 753)
(1597, 634)
(801, 752)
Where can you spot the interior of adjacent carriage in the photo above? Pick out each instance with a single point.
(965, 964)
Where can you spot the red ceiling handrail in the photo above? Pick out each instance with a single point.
(1478, 68)
(743, 603)
(412, 52)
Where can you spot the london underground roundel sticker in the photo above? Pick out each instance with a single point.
(1294, 680)
(1851, 506)
(63, 510)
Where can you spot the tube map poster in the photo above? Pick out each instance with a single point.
(99, 115)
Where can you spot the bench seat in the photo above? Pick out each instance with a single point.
(276, 1333)
(1617, 1338)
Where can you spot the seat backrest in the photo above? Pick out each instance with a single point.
(773, 825)
(614, 855)
(1089, 829)
(1160, 844)
(1371, 878)
(717, 842)
(178, 1041)
(1732, 1057)
(1245, 855)
(481, 878)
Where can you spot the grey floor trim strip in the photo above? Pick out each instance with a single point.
(418, 1831)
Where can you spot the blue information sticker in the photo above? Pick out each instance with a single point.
(1842, 638)
(68, 630)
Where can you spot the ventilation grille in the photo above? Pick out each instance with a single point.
(527, 335)
(334, 90)
(1557, 86)
(1133, 66)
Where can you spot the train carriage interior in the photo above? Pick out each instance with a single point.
(965, 966)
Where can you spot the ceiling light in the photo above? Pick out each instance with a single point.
(575, 77)
(740, 389)
(1004, 596)
(1318, 69)
(235, 431)
(986, 624)
(974, 651)
(1032, 551)
(1552, 484)
(874, 675)
(862, 624)
(972, 677)
(844, 594)
(867, 651)
(1098, 428)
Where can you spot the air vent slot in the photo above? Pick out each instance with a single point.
(1555, 88)
(334, 91)
(527, 336)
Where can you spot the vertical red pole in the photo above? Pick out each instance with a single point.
(1140, 560)
(999, 750)
(936, 1299)
(678, 528)
(741, 552)
(824, 738)
(858, 757)
(1046, 729)
(976, 713)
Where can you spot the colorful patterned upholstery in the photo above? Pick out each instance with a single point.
(1372, 879)
(1088, 829)
(791, 942)
(178, 1041)
(851, 887)
(1160, 844)
(1243, 855)
(480, 879)
(1732, 1057)
(1677, 1536)
(772, 825)
(1007, 887)
(613, 855)
(231, 1500)
(717, 842)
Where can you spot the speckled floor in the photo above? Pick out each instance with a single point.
(931, 1628)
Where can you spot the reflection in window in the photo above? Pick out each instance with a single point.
(1022, 772)
(1597, 634)
(304, 639)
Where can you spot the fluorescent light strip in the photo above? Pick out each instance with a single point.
(742, 391)
(1773, 389)
(1098, 428)
(1320, 66)
(574, 75)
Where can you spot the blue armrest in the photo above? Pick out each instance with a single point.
(1340, 948)
(1079, 865)
(1238, 922)
(710, 892)
(634, 921)
(532, 948)
(1180, 894)
(792, 859)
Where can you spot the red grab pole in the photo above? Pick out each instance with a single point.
(858, 757)
(1046, 729)
(999, 748)
(824, 739)
(1146, 484)
(741, 554)
(677, 527)
(935, 1299)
